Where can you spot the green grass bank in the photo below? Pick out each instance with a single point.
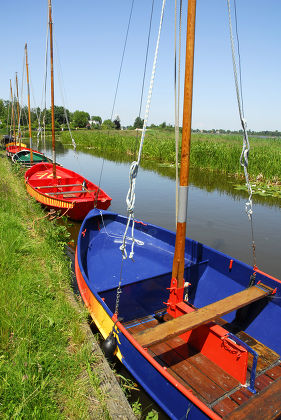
(48, 369)
(213, 152)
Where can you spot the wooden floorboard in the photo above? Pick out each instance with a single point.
(264, 406)
(211, 384)
(225, 407)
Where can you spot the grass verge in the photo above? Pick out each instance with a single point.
(47, 366)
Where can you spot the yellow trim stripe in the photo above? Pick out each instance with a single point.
(48, 201)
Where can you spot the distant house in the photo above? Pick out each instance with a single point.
(93, 122)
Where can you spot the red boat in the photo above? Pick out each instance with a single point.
(12, 150)
(68, 191)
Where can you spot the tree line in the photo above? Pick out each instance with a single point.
(82, 119)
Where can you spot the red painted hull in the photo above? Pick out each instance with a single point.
(12, 150)
(70, 193)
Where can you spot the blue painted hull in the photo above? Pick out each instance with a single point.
(144, 289)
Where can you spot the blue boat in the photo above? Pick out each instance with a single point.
(199, 330)
(228, 365)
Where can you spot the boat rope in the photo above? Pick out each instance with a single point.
(130, 199)
(244, 158)
(177, 99)
(62, 90)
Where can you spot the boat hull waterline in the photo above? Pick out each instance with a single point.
(213, 276)
(69, 192)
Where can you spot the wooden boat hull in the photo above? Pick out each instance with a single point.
(212, 275)
(69, 199)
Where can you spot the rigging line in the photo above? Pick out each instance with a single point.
(144, 72)
(130, 199)
(122, 59)
(62, 90)
(44, 92)
(116, 90)
(146, 56)
(239, 57)
(246, 145)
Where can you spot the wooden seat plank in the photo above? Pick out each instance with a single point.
(264, 406)
(200, 316)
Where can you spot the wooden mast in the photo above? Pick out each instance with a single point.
(52, 89)
(18, 109)
(13, 115)
(28, 98)
(178, 263)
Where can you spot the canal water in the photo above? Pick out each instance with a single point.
(216, 214)
(216, 211)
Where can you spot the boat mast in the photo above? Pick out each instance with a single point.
(52, 89)
(18, 109)
(28, 98)
(178, 263)
(13, 115)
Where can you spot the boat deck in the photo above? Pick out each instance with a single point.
(211, 384)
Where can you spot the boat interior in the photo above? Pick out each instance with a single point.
(230, 360)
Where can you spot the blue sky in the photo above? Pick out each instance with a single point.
(90, 37)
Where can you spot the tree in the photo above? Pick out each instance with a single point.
(163, 125)
(97, 119)
(80, 119)
(108, 125)
(138, 122)
(3, 111)
(117, 123)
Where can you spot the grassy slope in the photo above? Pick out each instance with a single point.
(45, 359)
(207, 151)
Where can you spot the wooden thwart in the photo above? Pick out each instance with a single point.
(69, 192)
(58, 186)
(200, 316)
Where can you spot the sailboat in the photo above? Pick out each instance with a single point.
(18, 152)
(194, 326)
(57, 187)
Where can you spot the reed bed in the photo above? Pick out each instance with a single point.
(213, 152)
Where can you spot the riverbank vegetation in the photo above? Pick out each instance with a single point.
(208, 151)
(47, 366)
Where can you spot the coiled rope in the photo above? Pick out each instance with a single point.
(244, 157)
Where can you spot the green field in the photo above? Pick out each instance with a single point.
(213, 152)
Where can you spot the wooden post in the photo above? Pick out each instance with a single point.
(18, 109)
(178, 263)
(28, 98)
(13, 114)
(52, 89)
